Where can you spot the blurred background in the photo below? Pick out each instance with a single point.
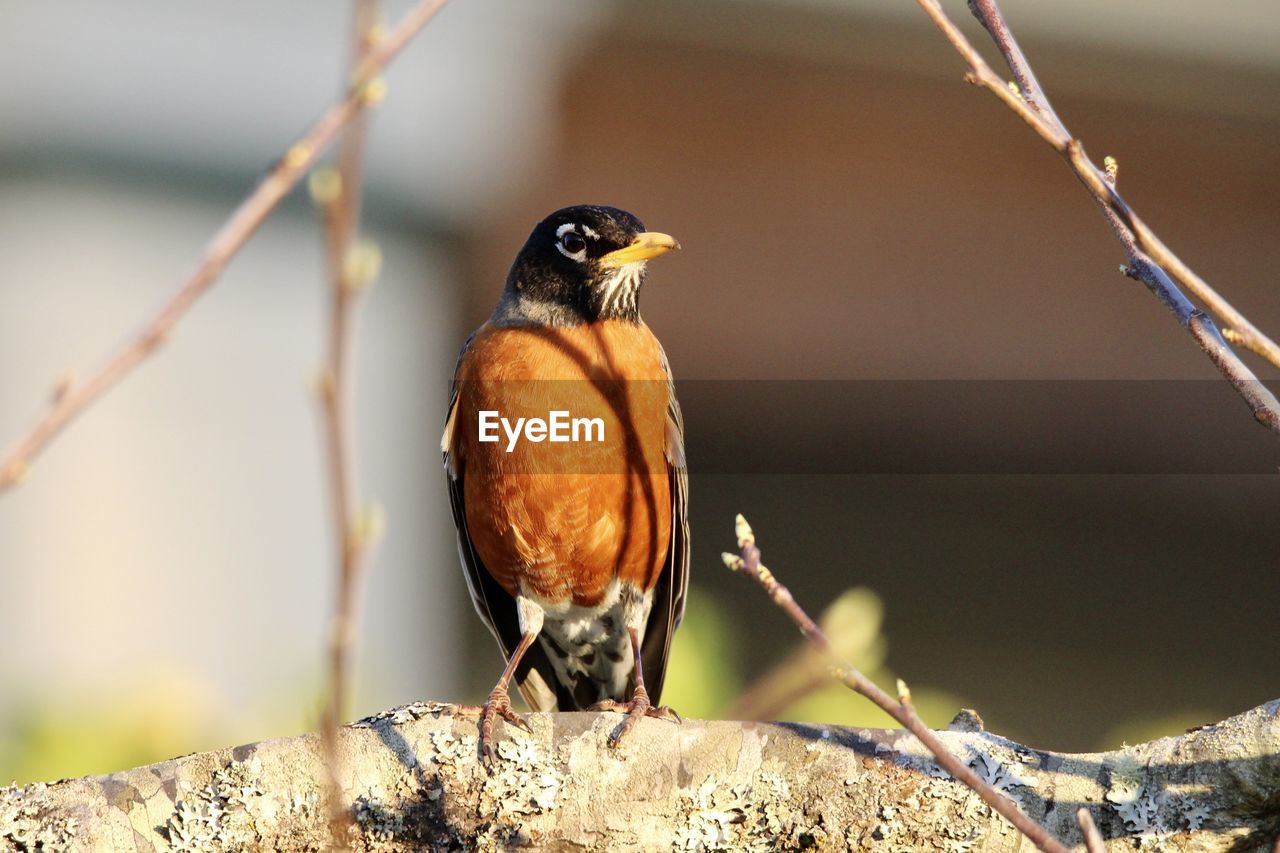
(905, 350)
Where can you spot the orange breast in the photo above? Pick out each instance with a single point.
(563, 518)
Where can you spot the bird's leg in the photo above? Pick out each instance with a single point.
(640, 705)
(499, 702)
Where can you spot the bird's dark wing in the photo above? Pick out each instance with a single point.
(669, 593)
(535, 675)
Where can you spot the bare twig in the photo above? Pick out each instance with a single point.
(351, 270)
(72, 398)
(1149, 258)
(989, 16)
(1092, 838)
(747, 561)
(1254, 392)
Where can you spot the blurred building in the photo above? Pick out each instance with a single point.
(871, 249)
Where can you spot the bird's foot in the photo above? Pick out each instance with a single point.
(497, 705)
(638, 707)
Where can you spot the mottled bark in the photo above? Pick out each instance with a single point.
(414, 782)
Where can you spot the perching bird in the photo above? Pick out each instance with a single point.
(575, 545)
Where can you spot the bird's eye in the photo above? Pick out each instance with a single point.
(572, 243)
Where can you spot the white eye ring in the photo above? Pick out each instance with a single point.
(566, 236)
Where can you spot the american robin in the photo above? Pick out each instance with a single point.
(574, 542)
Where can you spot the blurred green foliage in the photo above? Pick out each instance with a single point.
(703, 672)
(705, 678)
(1143, 729)
(53, 735)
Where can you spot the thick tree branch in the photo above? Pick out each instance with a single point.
(72, 397)
(1149, 259)
(416, 783)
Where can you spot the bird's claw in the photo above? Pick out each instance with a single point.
(638, 707)
(497, 705)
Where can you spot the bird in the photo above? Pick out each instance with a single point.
(575, 550)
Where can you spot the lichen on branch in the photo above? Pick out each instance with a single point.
(412, 781)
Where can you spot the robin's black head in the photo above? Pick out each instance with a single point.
(580, 264)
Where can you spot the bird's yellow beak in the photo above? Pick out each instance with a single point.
(648, 244)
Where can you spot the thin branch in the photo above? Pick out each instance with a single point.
(1146, 253)
(1254, 392)
(351, 270)
(748, 562)
(1202, 328)
(1092, 838)
(988, 14)
(72, 398)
